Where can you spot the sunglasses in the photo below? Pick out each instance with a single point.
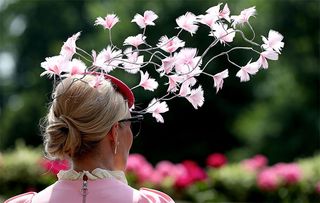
(135, 124)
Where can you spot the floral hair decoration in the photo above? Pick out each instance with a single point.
(179, 65)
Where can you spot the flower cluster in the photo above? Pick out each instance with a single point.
(282, 173)
(170, 58)
(54, 166)
(165, 172)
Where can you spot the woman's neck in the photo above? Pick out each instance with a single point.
(89, 163)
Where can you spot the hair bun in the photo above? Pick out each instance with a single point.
(65, 138)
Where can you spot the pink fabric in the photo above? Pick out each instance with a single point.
(103, 190)
(23, 198)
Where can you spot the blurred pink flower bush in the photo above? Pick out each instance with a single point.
(54, 166)
(173, 175)
(281, 173)
(255, 163)
(216, 160)
(213, 180)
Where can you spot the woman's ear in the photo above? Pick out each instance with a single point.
(113, 133)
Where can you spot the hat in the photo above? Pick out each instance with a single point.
(170, 59)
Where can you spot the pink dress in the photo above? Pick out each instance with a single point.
(102, 187)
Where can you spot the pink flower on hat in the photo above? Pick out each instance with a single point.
(69, 47)
(167, 65)
(188, 22)
(147, 19)
(108, 22)
(54, 65)
(170, 45)
(135, 40)
(146, 82)
(222, 32)
(187, 61)
(75, 68)
(247, 70)
(244, 16)
(218, 79)
(108, 59)
(274, 41)
(196, 97)
(219, 14)
(268, 54)
(157, 108)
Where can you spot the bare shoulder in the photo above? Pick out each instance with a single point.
(22, 198)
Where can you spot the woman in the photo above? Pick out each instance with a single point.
(89, 123)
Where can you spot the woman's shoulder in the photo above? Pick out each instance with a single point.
(148, 195)
(22, 198)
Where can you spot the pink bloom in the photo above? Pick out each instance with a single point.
(107, 59)
(193, 174)
(222, 33)
(256, 163)
(224, 13)
(214, 10)
(185, 88)
(196, 97)
(268, 54)
(218, 79)
(208, 19)
(139, 166)
(268, 179)
(250, 68)
(108, 22)
(133, 61)
(173, 80)
(135, 40)
(289, 173)
(244, 16)
(216, 160)
(147, 83)
(75, 67)
(69, 47)
(147, 19)
(188, 22)
(274, 41)
(163, 170)
(170, 45)
(55, 166)
(156, 108)
(167, 64)
(53, 65)
(187, 61)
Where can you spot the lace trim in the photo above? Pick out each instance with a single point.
(97, 173)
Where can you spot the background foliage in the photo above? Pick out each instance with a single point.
(23, 169)
(275, 114)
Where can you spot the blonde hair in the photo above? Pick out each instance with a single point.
(80, 116)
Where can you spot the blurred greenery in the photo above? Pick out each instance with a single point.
(275, 114)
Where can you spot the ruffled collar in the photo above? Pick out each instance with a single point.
(97, 173)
